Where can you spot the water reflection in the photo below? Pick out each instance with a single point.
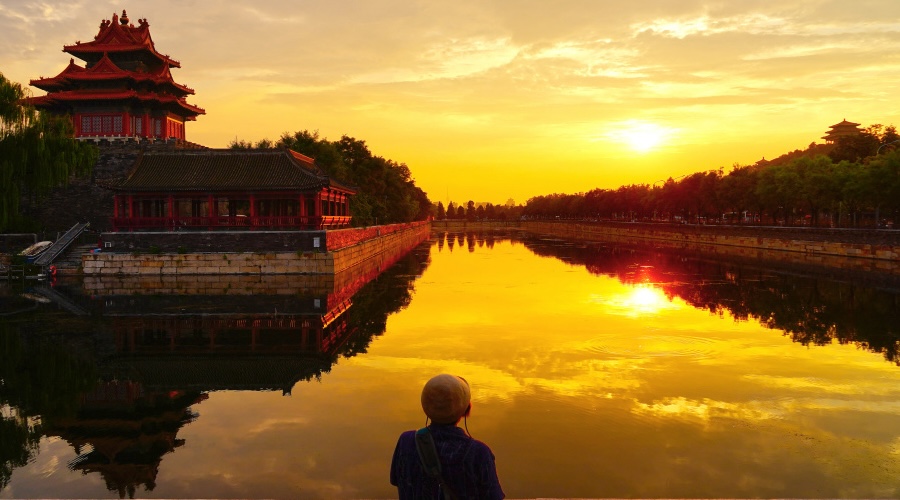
(813, 309)
(113, 366)
(597, 370)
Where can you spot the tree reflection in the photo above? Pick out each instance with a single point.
(40, 380)
(121, 395)
(811, 309)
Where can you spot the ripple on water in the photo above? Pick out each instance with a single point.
(607, 409)
(626, 346)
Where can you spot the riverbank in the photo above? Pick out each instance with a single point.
(850, 243)
(324, 252)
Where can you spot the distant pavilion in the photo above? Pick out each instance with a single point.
(842, 129)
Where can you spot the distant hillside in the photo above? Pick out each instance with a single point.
(811, 151)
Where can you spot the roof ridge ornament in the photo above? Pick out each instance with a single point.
(124, 18)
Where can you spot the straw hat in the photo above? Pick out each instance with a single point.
(445, 398)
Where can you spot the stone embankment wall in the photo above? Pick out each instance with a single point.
(207, 263)
(372, 248)
(214, 284)
(386, 247)
(849, 248)
(226, 242)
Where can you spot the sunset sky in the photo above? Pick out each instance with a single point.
(489, 100)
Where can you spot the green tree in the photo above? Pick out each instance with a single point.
(737, 189)
(37, 152)
(883, 179)
(490, 211)
(817, 182)
(855, 148)
(470, 210)
(386, 191)
(778, 190)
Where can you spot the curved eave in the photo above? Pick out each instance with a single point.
(216, 189)
(49, 84)
(75, 96)
(58, 81)
(70, 81)
(41, 101)
(337, 186)
(79, 50)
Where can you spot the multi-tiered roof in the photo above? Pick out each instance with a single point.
(125, 89)
(842, 129)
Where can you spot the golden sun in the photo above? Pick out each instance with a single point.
(641, 137)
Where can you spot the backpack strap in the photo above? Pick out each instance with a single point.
(428, 457)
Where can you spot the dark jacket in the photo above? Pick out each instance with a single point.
(467, 465)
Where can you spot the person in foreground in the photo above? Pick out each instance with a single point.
(441, 461)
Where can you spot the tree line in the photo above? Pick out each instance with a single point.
(386, 192)
(37, 154)
(854, 182)
(480, 211)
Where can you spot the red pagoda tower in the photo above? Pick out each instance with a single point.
(124, 90)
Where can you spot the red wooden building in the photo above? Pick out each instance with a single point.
(229, 189)
(125, 88)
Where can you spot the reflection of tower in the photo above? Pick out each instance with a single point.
(127, 431)
(235, 332)
(173, 339)
(228, 332)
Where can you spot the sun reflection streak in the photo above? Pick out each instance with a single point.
(639, 300)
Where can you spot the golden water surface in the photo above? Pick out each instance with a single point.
(585, 384)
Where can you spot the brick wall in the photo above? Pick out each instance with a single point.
(350, 261)
(341, 238)
(385, 248)
(207, 263)
(213, 241)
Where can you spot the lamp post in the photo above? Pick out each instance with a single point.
(885, 144)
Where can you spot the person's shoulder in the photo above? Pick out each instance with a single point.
(481, 447)
(407, 436)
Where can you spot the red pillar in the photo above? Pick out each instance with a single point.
(301, 212)
(171, 204)
(126, 124)
(212, 210)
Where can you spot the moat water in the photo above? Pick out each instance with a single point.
(596, 370)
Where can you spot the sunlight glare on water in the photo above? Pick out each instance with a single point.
(592, 380)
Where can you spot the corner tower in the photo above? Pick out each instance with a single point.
(125, 89)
